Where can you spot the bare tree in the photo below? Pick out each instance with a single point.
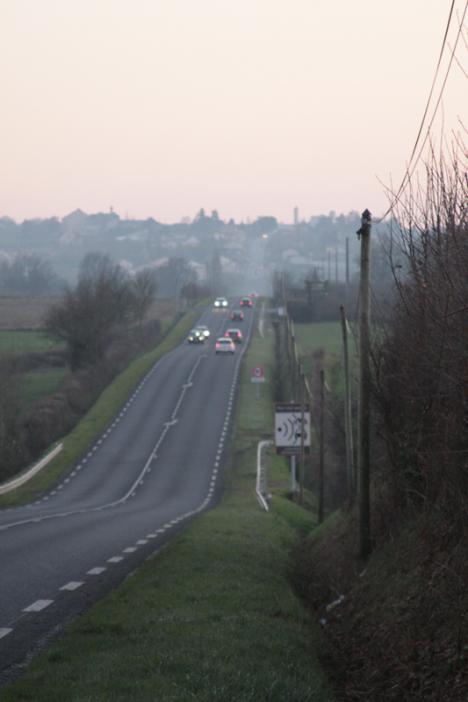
(422, 361)
(144, 289)
(89, 315)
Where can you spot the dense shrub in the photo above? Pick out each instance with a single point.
(421, 360)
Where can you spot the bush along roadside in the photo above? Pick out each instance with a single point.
(211, 618)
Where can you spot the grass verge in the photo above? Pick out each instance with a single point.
(95, 421)
(212, 618)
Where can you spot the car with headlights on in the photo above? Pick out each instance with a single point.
(196, 337)
(224, 345)
(234, 334)
(220, 303)
(203, 329)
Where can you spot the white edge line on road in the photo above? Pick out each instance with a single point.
(37, 606)
(72, 585)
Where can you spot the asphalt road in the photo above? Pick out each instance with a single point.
(157, 465)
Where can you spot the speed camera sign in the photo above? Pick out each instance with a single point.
(292, 428)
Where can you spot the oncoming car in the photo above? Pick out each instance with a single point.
(220, 302)
(235, 335)
(202, 329)
(224, 345)
(196, 337)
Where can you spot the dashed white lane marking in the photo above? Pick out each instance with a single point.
(4, 632)
(73, 585)
(96, 571)
(150, 536)
(142, 542)
(130, 549)
(115, 559)
(38, 605)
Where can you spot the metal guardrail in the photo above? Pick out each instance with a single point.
(16, 482)
(261, 483)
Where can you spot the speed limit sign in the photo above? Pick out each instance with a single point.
(257, 375)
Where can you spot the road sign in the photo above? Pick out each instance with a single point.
(292, 428)
(257, 375)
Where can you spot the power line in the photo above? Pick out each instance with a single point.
(458, 63)
(408, 174)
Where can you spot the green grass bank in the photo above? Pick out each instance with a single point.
(213, 617)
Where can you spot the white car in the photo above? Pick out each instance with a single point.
(225, 345)
(203, 329)
(220, 302)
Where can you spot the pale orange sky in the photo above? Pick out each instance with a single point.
(160, 107)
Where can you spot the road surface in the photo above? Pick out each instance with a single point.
(157, 465)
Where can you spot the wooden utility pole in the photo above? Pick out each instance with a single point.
(347, 273)
(336, 266)
(347, 408)
(322, 447)
(347, 262)
(364, 234)
(301, 467)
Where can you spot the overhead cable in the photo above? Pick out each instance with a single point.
(411, 168)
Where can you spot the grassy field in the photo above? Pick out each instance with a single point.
(23, 312)
(28, 313)
(22, 341)
(213, 617)
(326, 336)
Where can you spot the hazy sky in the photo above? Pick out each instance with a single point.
(160, 107)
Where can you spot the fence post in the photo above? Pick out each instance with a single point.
(322, 448)
(347, 407)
